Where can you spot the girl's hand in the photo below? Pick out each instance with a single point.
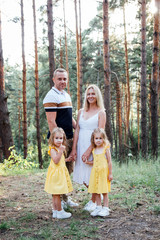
(69, 159)
(89, 162)
(110, 177)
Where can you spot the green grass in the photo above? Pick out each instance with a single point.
(135, 183)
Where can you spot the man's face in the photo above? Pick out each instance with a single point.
(60, 80)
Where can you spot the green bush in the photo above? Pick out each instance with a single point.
(16, 161)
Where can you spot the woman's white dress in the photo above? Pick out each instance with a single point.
(82, 171)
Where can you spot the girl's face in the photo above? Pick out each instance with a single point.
(98, 140)
(58, 139)
(91, 96)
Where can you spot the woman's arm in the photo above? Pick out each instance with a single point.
(75, 137)
(102, 119)
(108, 156)
(56, 156)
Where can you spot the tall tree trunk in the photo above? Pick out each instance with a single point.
(51, 41)
(107, 96)
(138, 110)
(78, 60)
(37, 89)
(19, 113)
(24, 86)
(154, 83)
(143, 83)
(127, 72)
(80, 56)
(5, 129)
(66, 47)
(61, 53)
(118, 114)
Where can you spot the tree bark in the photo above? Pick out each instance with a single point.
(6, 140)
(37, 89)
(66, 47)
(154, 83)
(143, 82)
(51, 41)
(127, 73)
(24, 86)
(80, 56)
(106, 59)
(78, 60)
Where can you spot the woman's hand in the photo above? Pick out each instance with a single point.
(86, 155)
(73, 155)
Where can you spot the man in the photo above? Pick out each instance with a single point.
(58, 107)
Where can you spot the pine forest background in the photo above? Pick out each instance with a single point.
(125, 67)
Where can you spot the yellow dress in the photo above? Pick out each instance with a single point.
(99, 182)
(58, 180)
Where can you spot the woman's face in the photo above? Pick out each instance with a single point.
(91, 96)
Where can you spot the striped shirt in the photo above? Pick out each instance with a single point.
(60, 102)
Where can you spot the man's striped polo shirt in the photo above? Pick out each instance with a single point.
(60, 102)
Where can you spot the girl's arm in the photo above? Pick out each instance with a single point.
(56, 156)
(101, 124)
(108, 156)
(73, 153)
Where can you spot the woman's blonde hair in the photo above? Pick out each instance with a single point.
(103, 134)
(100, 103)
(57, 130)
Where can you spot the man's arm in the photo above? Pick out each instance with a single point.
(51, 119)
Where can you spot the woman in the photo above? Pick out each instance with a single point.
(89, 118)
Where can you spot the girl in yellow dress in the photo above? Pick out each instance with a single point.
(101, 174)
(58, 180)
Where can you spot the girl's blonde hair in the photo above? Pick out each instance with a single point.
(103, 134)
(54, 131)
(100, 103)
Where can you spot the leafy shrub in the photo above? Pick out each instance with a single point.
(16, 161)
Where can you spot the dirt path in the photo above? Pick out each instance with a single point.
(25, 213)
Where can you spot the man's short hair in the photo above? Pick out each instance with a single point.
(62, 70)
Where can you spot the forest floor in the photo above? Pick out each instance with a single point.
(25, 212)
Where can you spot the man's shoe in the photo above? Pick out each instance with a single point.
(62, 214)
(96, 211)
(71, 203)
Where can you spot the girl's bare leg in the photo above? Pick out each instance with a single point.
(105, 199)
(57, 202)
(53, 203)
(93, 194)
(93, 197)
(98, 199)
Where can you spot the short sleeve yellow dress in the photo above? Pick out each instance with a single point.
(99, 182)
(58, 180)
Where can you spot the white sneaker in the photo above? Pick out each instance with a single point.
(104, 212)
(54, 213)
(63, 204)
(62, 214)
(71, 203)
(96, 211)
(90, 206)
